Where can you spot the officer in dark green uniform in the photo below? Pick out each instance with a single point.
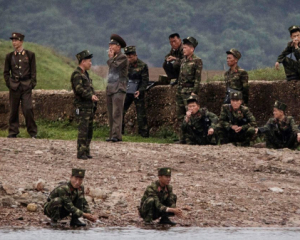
(291, 66)
(159, 201)
(280, 131)
(85, 103)
(199, 125)
(138, 76)
(69, 198)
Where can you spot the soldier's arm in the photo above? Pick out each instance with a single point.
(198, 70)
(251, 120)
(168, 55)
(7, 69)
(265, 128)
(244, 78)
(145, 78)
(119, 62)
(79, 89)
(33, 70)
(223, 119)
(214, 120)
(152, 193)
(172, 198)
(295, 128)
(284, 53)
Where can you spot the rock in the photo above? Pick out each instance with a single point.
(20, 218)
(38, 152)
(298, 211)
(187, 208)
(7, 201)
(89, 199)
(289, 160)
(276, 189)
(32, 207)
(9, 189)
(97, 193)
(39, 185)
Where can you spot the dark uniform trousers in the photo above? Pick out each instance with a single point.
(170, 70)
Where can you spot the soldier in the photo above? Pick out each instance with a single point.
(281, 130)
(138, 75)
(199, 124)
(20, 78)
(189, 78)
(85, 103)
(69, 198)
(236, 123)
(173, 59)
(236, 78)
(116, 86)
(291, 67)
(159, 200)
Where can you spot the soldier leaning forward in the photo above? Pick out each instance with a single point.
(138, 76)
(236, 123)
(199, 124)
(85, 103)
(159, 200)
(69, 198)
(281, 130)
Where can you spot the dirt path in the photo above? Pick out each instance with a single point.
(218, 186)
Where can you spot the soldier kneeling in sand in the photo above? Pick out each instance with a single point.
(69, 198)
(159, 201)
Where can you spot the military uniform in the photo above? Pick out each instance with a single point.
(280, 134)
(65, 200)
(172, 68)
(116, 89)
(20, 78)
(236, 80)
(157, 199)
(85, 108)
(291, 66)
(241, 117)
(138, 73)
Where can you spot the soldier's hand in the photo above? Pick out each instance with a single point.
(111, 53)
(234, 127)
(188, 114)
(296, 42)
(95, 98)
(90, 217)
(171, 58)
(210, 131)
(137, 94)
(277, 65)
(298, 137)
(193, 94)
(238, 129)
(256, 130)
(177, 212)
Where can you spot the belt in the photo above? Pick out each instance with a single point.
(21, 78)
(187, 85)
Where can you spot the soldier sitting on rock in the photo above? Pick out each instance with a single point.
(69, 198)
(159, 201)
(199, 124)
(281, 130)
(236, 123)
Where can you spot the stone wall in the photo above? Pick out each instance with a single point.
(160, 102)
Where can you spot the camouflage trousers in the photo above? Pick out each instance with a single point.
(140, 111)
(55, 210)
(291, 68)
(149, 212)
(198, 138)
(171, 72)
(85, 130)
(230, 136)
(276, 142)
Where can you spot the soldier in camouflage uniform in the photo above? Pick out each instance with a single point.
(173, 59)
(199, 124)
(280, 131)
(159, 200)
(236, 123)
(137, 74)
(291, 66)
(236, 78)
(69, 198)
(85, 103)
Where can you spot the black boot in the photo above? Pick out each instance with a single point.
(76, 223)
(166, 220)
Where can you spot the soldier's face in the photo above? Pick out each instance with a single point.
(188, 50)
(76, 181)
(278, 113)
(193, 107)
(132, 58)
(231, 60)
(236, 104)
(175, 42)
(87, 63)
(295, 35)
(17, 43)
(164, 180)
(115, 48)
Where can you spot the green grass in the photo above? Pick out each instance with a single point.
(53, 70)
(68, 131)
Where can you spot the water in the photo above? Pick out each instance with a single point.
(145, 234)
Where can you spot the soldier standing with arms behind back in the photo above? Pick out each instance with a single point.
(85, 103)
(20, 78)
(116, 86)
(138, 75)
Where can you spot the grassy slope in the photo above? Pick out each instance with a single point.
(53, 70)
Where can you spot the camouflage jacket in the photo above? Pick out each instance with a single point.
(139, 71)
(241, 117)
(238, 80)
(190, 72)
(286, 126)
(178, 53)
(69, 195)
(288, 50)
(83, 88)
(200, 121)
(161, 196)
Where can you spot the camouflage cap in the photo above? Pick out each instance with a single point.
(294, 28)
(18, 36)
(129, 50)
(235, 53)
(76, 172)
(280, 105)
(166, 171)
(116, 39)
(192, 98)
(236, 96)
(190, 40)
(85, 54)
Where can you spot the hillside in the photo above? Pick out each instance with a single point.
(53, 70)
